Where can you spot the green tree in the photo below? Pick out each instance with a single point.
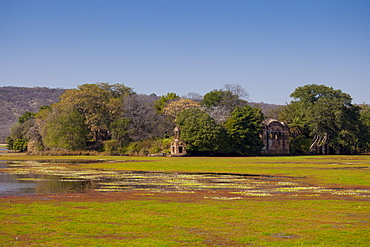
(231, 96)
(65, 130)
(213, 98)
(34, 134)
(160, 104)
(222, 98)
(295, 118)
(18, 138)
(199, 131)
(244, 129)
(100, 104)
(117, 90)
(9, 143)
(120, 131)
(220, 103)
(331, 118)
(365, 128)
(19, 130)
(26, 116)
(20, 145)
(300, 142)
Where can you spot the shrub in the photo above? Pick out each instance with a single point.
(111, 146)
(145, 148)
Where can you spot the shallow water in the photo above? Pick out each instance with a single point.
(20, 184)
(32, 177)
(39, 178)
(9, 185)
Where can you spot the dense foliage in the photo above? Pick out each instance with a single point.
(115, 119)
(244, 130)
(327, 118)
(199, 131)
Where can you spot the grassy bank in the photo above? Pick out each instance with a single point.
(202, 218)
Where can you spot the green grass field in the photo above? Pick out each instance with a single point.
(200, 218)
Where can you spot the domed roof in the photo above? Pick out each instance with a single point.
(268, 121)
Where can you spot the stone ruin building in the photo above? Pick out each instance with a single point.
(177, 146)
(275, 137)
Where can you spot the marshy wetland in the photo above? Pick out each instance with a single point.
(64, 176)
(192, 201)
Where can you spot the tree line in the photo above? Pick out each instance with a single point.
(117, 120)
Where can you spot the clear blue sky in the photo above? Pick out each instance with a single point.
(270, 47)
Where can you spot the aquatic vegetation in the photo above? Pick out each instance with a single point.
(115, 181)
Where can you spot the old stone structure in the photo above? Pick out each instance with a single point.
(177, 146)
(275, 137)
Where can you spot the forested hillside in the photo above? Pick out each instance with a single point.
(14, 101)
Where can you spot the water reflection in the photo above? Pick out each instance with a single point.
(43, 178)
(9, 185)
(19, 184)
(33, 177)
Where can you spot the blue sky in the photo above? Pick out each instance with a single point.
(269, 47)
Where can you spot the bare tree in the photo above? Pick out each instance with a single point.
(219, 113)
(238, 90)
(194, 96)
(144, 122)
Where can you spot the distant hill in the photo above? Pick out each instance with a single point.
(14, 101)
(270, 110)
